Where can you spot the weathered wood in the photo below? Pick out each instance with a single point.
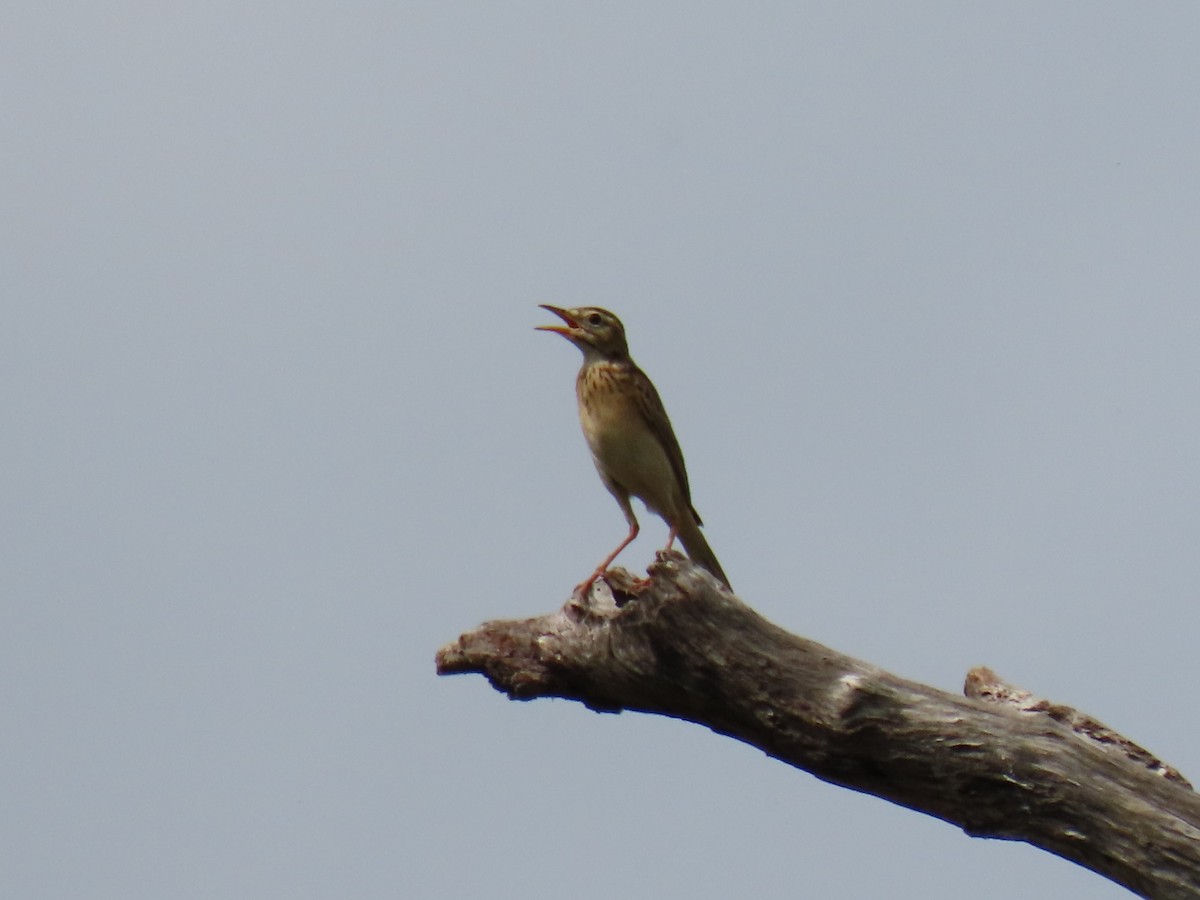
(1015, 769)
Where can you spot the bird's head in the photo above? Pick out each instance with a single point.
(591, 329)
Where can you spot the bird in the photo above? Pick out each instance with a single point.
(626, 427)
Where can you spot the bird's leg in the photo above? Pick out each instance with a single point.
(671, 539)
(603, 567)
(634, 528)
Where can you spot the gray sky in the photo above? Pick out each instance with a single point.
(917, 284)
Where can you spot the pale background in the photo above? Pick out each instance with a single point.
(917, 283)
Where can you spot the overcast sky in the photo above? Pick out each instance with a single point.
(917, 283)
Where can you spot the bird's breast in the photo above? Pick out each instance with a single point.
(624, 447)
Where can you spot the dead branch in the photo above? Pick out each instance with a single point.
(998, 763)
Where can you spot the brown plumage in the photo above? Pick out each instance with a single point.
(631, 439)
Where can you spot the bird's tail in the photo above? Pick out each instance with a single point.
(698, 550)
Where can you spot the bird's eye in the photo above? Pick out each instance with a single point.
(594, 319)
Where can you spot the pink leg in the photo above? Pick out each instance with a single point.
(633, 532)
(603, 567)
(671, 538)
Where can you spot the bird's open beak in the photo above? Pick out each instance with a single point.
(564, 330)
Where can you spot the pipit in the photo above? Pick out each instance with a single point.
(629, 434)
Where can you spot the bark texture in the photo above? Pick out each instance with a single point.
(999, 762)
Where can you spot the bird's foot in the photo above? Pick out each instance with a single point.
(620, 583)
(585, 587)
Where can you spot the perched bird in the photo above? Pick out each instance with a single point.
(629, 434)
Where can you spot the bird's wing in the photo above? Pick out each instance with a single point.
(651, 407)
